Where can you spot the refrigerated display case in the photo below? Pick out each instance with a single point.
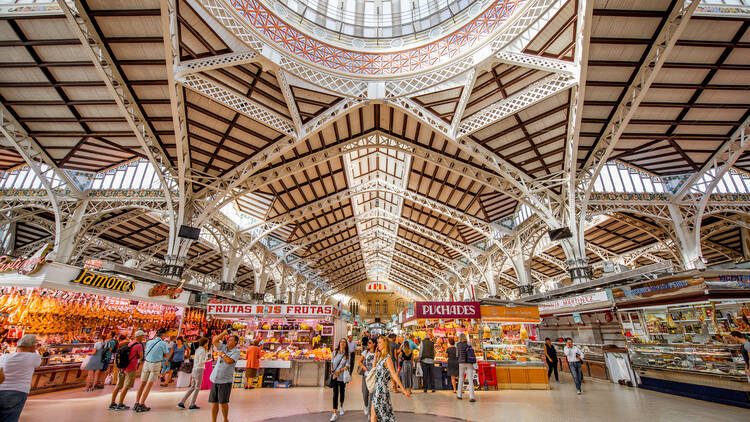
(594, 364)
(61, 369)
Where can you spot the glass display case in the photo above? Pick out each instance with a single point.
(512, 352)
(61, 354)
(724, 360)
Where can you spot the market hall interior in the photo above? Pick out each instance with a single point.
(227, 204)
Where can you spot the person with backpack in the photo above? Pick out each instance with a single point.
(110, 348)
(466, 360)
(127, 357)
(155, 352)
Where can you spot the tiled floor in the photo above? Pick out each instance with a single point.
(601, 401)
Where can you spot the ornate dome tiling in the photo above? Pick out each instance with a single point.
(339, 59)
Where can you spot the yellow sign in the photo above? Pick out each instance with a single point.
(87, 278)
(510, 313)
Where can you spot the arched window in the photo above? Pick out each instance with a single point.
(385, 307)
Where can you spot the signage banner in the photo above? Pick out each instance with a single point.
(91, 279)
(295, 311)
(448, 310)
(569, 302)
(377, 287)
(510, 313)
(657, 288)
(23, 265)
(165, 290)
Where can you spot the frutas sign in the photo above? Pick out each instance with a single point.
(23, 265)
(88, 278)
(448, 310)
(218, 309)
(377, 287)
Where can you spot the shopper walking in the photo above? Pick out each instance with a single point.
(95, 365)
(427, 359)
(127, 359)
(154, 353)
(406, 366)
(575, 359)
(253, 362)
(366, 361)
(364, 340)
(222, 375)
(381, 409)
(16, 370)
(196, 376)
(452, 354)
(745, 350)
(339, 377)
(176, 359)
(550, 355)
(466, 361)
(352, 346)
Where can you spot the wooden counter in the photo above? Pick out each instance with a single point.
(57, 377)
(522, 377)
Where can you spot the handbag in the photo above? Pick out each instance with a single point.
(186, 367)
(85, 362)
(370, 380)
(347, 377)
(329, 382)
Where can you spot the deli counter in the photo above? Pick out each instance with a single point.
(61, 369)
(594, 364)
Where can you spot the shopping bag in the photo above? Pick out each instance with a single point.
(419, 370)
(85, 362)
(108, 380)
(183, 380)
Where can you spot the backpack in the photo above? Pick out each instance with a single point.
(123, 355)
(470, 356)
(110, 348)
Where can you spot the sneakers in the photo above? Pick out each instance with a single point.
(472, 400)
(180, 405)
(334, 417)
(141, 408)
(194, 407)
(459, 397)
(122, 407)
(112, 406)
(579, 392)
(341, 411)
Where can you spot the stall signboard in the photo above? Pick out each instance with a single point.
(377, 287)
(291, 311)
(92, 279)
(729, 281)
(569, 302)
(510, 313)
(165, 290)
(657, 288)
(23, 265)
(448, 310)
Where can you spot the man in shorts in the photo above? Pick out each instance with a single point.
(155, 352)
(126, 377)
(222, 376)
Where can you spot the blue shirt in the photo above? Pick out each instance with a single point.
(156, 349)
(224, 372)
(178, 354)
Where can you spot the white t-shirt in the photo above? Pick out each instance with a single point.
(19, 367)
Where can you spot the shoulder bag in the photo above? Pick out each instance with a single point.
(370, 380)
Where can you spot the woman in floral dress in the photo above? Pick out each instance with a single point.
(381, 409)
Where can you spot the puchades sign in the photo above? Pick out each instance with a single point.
(377, 287)
(301, 311)
(448, 310)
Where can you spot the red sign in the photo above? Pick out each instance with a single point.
(25, 266)
(377, 287)
(302, 311)
(165, 290)
(448, 310)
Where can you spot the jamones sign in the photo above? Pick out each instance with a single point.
(377, 287)
(218, 309)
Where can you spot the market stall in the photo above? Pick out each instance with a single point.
(443, 320)
(507, 328)
(678, 334)
(67, 307)
(296, 340)
(590, 320)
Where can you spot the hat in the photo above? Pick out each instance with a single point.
(140, 333)
(28, 340)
